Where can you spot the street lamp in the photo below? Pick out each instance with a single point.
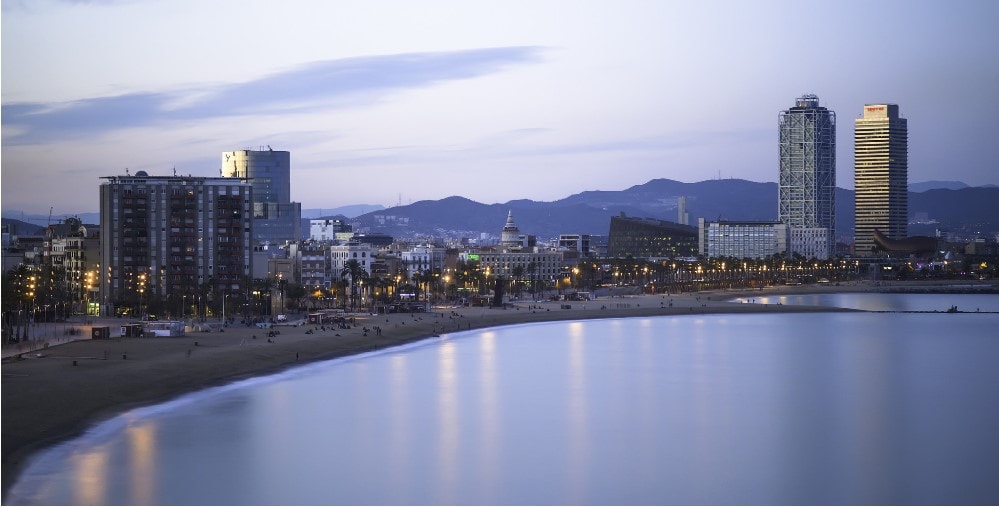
(142, 289)
(361, 283)
(90, 286)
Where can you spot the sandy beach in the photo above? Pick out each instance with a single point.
(64, 389)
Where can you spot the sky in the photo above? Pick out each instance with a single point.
(386, 102)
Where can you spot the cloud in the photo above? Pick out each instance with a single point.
(348, 82)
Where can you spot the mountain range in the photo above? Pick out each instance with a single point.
(944, 204)
(969, 209)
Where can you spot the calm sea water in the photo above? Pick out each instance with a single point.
(888, 302)
(823, 408)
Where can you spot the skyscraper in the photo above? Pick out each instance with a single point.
(275, 218)
(807, 182)
(881, 166)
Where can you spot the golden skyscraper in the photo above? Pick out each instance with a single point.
(881, 167)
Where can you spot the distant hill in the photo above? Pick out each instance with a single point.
(41, 220)
(974, 208)
(21, 228)
(934, 185)
(584, 213)
(350, 211)
(589, 212)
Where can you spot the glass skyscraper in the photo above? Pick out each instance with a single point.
(807, 182)
(276, 219)
(881, 175)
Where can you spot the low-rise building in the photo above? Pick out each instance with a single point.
(742, 239)
(647, 238)
(328, 230)
(810, 242)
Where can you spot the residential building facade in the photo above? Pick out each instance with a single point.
(423, 259)
(328, 230)
(340, 255)
(165, 238)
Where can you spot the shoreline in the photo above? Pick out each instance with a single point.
(75, 385)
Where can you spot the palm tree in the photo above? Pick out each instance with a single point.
(419, 277)
(518, 275)
(339, 290)
(532, 268)
(19, 293)
(261, 286)
(354, 271)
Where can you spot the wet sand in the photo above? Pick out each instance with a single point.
(71, 386)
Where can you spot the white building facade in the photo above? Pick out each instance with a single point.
(742, 239)
(423, 258)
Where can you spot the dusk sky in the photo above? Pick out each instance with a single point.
(488, 100)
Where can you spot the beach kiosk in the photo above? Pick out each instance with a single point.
(165, 328)
(316, 318)
(100, 333)
(131, 330)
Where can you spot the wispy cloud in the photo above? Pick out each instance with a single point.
(321, 85)
(528, 144)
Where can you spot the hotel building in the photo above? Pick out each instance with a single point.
(807, 179)
(881, 162)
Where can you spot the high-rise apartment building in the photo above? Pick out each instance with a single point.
(276, 219)
(807, 180)
(171, 242)
(881, 167)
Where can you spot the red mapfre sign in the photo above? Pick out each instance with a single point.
(876, 108)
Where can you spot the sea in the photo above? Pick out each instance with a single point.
(899, 405)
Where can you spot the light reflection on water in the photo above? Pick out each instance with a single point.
(886, 302)
(89, 470)
(741, 409)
